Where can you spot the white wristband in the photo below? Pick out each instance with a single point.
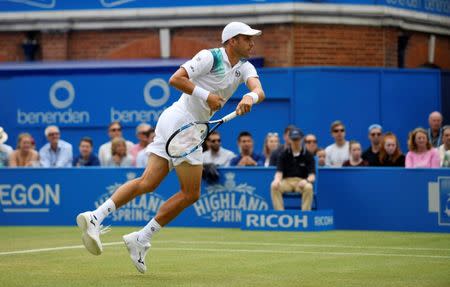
(254, 96)
(200, 93)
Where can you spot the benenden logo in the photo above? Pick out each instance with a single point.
(36, 197)
(224, 203)
(142, 208)
(157, 105)
(439, 199)
(61, 96)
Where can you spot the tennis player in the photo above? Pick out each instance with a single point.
(207, 81)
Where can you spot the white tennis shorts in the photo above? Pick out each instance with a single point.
(170, 120)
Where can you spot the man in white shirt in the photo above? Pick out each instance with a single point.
(104, 152)
(216, 154)
(56, 153)
(338, 152)
(207, 81)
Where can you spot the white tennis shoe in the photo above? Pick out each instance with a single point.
(137, 250)
(91, 230)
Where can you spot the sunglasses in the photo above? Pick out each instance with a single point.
(338, 130)
(272, 134)
(214, 141)
(115, 130)
(310, 141)
(375, 134)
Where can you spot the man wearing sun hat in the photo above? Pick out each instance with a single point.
(5, 150)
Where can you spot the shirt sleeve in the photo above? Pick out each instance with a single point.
(201, 64)
(280, 162)
(409, 160)
(435, 159)
(248, 71)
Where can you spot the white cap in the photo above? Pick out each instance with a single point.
(238, 28)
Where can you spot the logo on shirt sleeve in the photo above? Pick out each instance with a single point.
(237, 73)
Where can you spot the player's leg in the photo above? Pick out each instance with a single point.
(89, 222)
(276, 193)
(138, 243)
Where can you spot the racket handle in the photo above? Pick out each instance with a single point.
(229, 117)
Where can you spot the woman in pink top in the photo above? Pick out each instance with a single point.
(421, 153)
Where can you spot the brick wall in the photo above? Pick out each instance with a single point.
(281, 45)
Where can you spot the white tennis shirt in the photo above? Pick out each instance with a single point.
(211, 70)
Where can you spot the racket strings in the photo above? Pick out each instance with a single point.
(187, 139)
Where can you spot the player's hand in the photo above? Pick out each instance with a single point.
(244, 106)
(215, 102)
(276, 184)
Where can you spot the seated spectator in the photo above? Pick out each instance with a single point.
(142, 156)
(119, 155)
(247, 156)
(104, 152)
(390, 153)
(311, 144)
(142, 135)
(56, 153)
(86, 156)
(275, 154)
(338, 152)
(370, 155)
(5, 150)
(421, 153)
(321, 156)
(271, 143)
(444, 149)
(355, 155)
(25, 155)
(216, 154)
(435, 132)
(295, 172)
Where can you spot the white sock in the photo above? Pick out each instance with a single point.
(146, 233)
(104, 210)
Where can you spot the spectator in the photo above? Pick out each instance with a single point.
(321, 156)
(271, 143)
(421, 153)
(355, 155)
(338, 152)
(311, 144)
(86, 157)
(444, 149)
(104, 152)
(119, 155)
(390, 153)
(142, 156)
(295, 172)
(370, 155)
(275, 154)
(247, 156)
(25, 154)
(5, 150)
(216, 154)
(55, 153)
(435, 132)
(142, 135)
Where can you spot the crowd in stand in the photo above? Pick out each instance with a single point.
(428, 148)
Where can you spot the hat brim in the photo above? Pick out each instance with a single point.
(251, 32)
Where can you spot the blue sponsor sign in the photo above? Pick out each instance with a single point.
(444, 201)
(427, 6)
(288, 220)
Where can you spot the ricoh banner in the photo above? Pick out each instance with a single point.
(56, 196)
(91, 101)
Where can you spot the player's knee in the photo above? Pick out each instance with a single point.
(191, 196)
(308, 188)
(146, 185)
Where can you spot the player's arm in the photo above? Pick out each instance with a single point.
(256, 95)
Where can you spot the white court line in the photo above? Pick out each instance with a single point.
(305, 245)
(235, 251)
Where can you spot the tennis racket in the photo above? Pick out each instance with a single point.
(191, 136)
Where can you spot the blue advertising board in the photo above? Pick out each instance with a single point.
(288, 220)
(84, 101)
(427, 6)
(387, 198)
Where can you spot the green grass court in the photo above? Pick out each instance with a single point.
(227, 257)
